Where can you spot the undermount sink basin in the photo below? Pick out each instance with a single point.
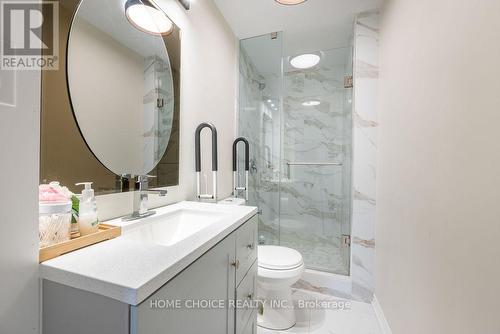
(173, 227)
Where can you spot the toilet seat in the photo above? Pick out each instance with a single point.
(279, 258)
(271, 275)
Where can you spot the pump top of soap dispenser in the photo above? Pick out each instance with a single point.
(88, 192)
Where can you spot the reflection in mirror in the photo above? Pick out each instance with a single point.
(121, 87)
(112, 66)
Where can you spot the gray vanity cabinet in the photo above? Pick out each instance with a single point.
(224, 275)
(210, 278)
(228, 272)
(250, 327)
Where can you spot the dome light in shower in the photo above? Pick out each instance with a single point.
(143, 15)
(311, 103)
(305, 61)
(290, 2)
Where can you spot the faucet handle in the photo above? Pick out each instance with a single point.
(142, 181)
(141, 178)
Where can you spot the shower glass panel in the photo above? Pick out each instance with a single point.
(259, 120)
(315, 191)
(300, 152)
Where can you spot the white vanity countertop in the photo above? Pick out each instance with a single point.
(130, 271)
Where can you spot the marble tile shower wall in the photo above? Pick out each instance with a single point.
(313, 206)
(156, 137)
(365, 123)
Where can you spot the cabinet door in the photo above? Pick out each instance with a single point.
(246, 247)
(245, 297)
(251, 326)
(210, 278)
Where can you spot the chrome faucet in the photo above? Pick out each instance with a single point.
(141, 198)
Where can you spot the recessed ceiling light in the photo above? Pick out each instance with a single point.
(147, 18)
(290, 2)
(305, 61)
(311, 103)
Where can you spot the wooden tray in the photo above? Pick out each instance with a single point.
(105, 232)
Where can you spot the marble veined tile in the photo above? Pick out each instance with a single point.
(365, 127)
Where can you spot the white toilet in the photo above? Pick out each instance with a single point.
(278, 269)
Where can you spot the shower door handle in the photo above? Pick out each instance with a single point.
(289, 164)
(314, 163)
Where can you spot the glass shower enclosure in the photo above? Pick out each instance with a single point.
(298, 123)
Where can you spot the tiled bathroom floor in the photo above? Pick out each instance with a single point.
(354, 318)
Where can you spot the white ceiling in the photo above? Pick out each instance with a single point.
(312, 26)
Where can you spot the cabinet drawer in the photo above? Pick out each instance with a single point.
(246, 247)
(245, 295)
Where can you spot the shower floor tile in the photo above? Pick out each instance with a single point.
(340, 316)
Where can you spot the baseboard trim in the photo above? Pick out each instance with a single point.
(384, 325)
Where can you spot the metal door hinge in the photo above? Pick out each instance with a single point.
(348, 81)
(346, 240)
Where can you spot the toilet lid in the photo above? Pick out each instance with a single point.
(279, 258)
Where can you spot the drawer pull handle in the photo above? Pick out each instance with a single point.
(236, 264)
(251, 246)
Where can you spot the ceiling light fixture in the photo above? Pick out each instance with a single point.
(143, 15)
(290, 2)
(311, 103)
(305, 61)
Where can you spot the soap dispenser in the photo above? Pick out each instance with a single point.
(87, 218)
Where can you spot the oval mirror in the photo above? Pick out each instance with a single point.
(120, 82)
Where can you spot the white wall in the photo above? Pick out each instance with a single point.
(19, 166)
(209, 88)
(438, 249)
